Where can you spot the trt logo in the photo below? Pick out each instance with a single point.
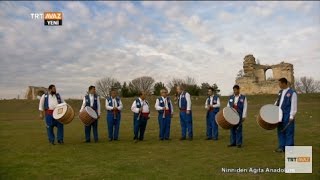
(52, 18)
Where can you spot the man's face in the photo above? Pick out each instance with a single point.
(113, 94)
(210, 92)
(282, 85)
(53, 90)
(179, 90)
(164, 93)
(93, 91)
(236, 91)
(143, 95)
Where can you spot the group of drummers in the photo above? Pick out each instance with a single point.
(281, 115)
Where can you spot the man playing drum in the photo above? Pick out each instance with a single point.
(165, 112)
(239, 103)
(184, 101)
(48, 102)
(141, 112)
(287, 102)
(212, 105)
(114, 107)
(92, 100)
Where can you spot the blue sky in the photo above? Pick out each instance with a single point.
(205, 40)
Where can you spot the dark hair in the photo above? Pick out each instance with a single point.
(211, 88)
(91, 87)
(140, 93)
(283, 80)
(51, 86)
(236, 87)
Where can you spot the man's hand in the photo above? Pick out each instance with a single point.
(188, 111)
(291, 119)
(41, 115)
(98, 117)
(114, 108)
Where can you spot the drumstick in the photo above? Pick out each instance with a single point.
(286, 126)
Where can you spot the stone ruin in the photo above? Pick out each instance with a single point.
(34, 92)
(254, 81)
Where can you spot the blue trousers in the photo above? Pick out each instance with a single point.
(113, 125)
(186, 124)
(51, 123)
(164, 126)
(87, 131)
(286, 138)
(212, 126)
(236, 134)
(139, 127)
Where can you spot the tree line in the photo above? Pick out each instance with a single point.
(149, 85)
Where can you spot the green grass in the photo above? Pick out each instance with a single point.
(26, 153)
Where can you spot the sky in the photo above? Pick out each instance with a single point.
(125, 40)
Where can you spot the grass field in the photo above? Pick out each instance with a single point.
(26, 153)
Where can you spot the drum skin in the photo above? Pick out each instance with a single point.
(270, 122)
(85, 117)
(222, 121)
(68, 116)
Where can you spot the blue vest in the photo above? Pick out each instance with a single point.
(46, 100)
(161, 103)
(138, 104)
(240, 103)
(110, 101)
(183, 104)
(286, 104)
(95, 102)
(215, 99)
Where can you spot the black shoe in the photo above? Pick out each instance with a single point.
(208, 138)
(168, 139)
(115, 139)
(52, 142)
(60, 142)
(182, 138)
(161, 139)
(86, 141)
(279, 150)
(231, 145)
(96, 140)
(239, 146)
(110, 140)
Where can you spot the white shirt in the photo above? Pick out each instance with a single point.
(144, 105)
(211, 103)
(52, 102)
(245, 105)
(91, 97)
(187, 96)
(165, 100)
(294, 103)
(114, 104)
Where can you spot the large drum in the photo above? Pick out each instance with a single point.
(269, 116)
(63, 113)
(88, 116)
(227, 118)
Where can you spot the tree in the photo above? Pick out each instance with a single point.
(205, 86)
(307, 85)
(240, 73)
(144, 83)
(157, 87)
(189, 84)
(104, 85)
(125, 90)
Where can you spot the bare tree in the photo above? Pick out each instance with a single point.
(240, 73)
(144, 83)
(104, 85)
(307, 85)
